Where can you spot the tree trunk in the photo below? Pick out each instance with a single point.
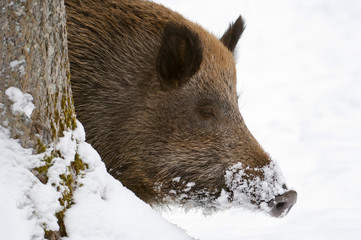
(34, 58)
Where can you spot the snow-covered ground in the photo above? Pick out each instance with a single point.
(299, 79)
(299, 73)
(103, 209)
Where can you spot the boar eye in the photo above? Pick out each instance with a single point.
(206, 111)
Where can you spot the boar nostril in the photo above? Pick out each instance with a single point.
(282, 204)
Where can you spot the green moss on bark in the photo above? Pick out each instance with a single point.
(66, 185)
(78, 165)
(42, 172)
(40, 146)
(68, 181)
(67, 107)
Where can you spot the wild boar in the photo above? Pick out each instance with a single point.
(157, 96)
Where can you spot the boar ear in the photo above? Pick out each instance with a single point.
(179, 57)
(231, 36)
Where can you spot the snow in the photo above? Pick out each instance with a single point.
(264, 190)
(22, 102)
(103, 208)
(21, 194)
(16, 63)
(299, 84)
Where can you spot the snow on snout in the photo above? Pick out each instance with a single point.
(245, 190)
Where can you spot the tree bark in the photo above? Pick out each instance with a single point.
(34, 58)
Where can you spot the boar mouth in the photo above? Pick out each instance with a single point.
(260, 189)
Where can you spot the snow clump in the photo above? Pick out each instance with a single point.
(22, 102)
(245, 189)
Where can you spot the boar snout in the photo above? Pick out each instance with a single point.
(282, 204)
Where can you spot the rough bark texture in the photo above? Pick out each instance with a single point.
(34, 58)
